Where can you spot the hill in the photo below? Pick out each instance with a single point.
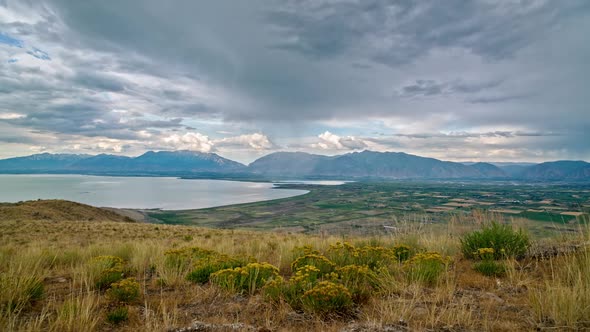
(149, 163)
(287, 164)
(558, 170)
(356, 165)
(369, 164)
(57, 211)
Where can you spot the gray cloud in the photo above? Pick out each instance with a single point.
(136, 70)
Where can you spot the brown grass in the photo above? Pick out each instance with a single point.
(552, 293)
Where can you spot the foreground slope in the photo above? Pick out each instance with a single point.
(56, 211)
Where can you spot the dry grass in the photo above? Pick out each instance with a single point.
(57, 210)
(554, 292)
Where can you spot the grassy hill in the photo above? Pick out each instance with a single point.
(66, 276)
(57, 210)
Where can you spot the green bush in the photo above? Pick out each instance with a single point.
(426, 267)
(502, 238)
(204, 268)
(247, 279)
(402, 252)
(118, 315)
(126, 291)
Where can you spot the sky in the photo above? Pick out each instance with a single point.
(501, 80)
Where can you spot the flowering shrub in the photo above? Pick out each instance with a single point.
(204, 268)
(106, 270)
(426, 267)
(402, 252)
(319, 261)
(245, 279)
(184, 257)
(343, 253)
(327, 298)
(361, 281)
(126, 291)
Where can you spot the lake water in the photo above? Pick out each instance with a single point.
(138, 192)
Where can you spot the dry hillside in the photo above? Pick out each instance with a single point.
(57, 210)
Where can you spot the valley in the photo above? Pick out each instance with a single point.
(374, 208)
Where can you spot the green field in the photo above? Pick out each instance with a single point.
(374, 208)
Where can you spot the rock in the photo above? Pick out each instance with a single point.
(207, 327)
(493, 297)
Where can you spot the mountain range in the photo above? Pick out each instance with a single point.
(356, 165)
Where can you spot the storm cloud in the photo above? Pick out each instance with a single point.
(477, 80)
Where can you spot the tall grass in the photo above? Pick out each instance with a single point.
(381, 288)
(564, 298)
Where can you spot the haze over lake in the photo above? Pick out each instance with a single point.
(138, 192)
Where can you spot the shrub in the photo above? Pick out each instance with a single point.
(306, 276)
(502, 238)
(321, 262)
(126, 291)
(402, 252)
(185, 257)
(118, 315)
(247, 279)
(342, 253)
(375, 257)
(426, 267)
(204, 268)
(107, 269)
(327, 298)
(359, 280)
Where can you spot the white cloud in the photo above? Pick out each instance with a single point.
(189, 141)
(11, 116)
(256, 141)
(329, 141)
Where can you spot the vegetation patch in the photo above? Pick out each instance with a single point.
(247, 279)
(426, 267)
(505, 242)
(125, 291)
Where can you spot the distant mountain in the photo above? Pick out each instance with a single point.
(184, 161)
(558, 170)
(101, 162)
(488, 170)
(287, 164)
(356, 165)
(151, 163)
(44, 162)
(367, 164)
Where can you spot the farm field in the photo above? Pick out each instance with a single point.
(378, 208)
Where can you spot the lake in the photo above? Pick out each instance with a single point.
(138, 192)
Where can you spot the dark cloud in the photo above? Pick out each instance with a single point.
(399, 32)
(515, 70)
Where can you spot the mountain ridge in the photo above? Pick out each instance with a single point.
(354, 165)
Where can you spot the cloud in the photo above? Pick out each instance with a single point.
(329, 141)
(256, 141)
(11, 116)
(189, 141)
(274, 74)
